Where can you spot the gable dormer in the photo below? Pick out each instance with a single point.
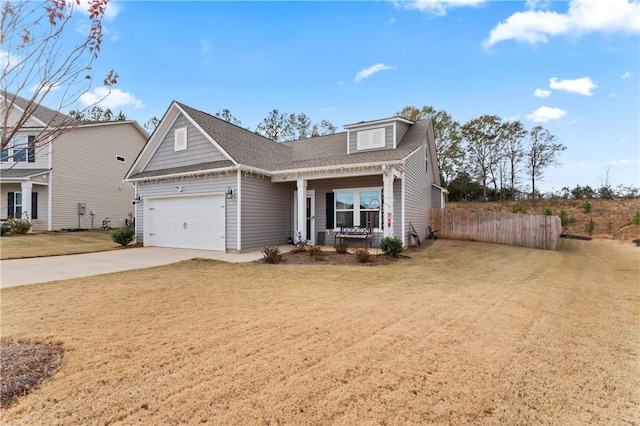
(376, 135)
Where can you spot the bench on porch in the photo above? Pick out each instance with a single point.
(353, 232)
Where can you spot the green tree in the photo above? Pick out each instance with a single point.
(446, 132)
(541, 151)
(323, 128)
(226, 115)
(151, 124)
(483, 136)
(514, 134)
(300, 125)
(96, 113)
(275, 126)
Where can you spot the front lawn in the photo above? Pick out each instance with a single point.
(54, 244)
(461, 333)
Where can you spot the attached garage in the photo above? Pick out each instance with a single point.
(190, 222)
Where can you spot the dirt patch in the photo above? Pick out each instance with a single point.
(330, 258)
(23, 366)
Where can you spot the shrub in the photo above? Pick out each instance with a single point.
(547, 211)
(565, 219)
(301, 246)
(636, 217)
(271, 254)
(391, 246)
(19, 226)
(586, 207)
(519, 209)
(590, 226)
(342, 247)
(4, 228)
(123, 236)
(315, 252)
(362, 254)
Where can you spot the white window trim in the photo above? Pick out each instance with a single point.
(180, 134)
(370, 136)
(12, 151)
(356, 205)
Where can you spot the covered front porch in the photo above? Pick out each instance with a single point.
(26, 195)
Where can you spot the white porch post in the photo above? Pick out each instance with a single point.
(302, 208)
(387, 208)
(26, 199)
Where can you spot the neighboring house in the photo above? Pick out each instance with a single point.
(204, 183)
(84, 165)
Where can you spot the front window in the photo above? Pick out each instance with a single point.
(18, 150)
(358, 207)
(15, 208)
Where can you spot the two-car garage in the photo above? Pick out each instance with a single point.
(190, 222)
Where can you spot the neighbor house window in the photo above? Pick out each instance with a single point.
(369, 139)
(181, 139)
(358, 207)
(19, 150)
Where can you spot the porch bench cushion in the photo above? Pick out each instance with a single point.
(352, 232)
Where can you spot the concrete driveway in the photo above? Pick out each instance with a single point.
(44, 269)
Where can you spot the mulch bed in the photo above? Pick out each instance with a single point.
(23, 366)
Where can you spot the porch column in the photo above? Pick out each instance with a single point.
(387, 207)
(26, 199)
(302, 208)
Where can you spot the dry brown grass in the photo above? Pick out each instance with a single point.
(55, 244)
(612, 218)
(463, 332)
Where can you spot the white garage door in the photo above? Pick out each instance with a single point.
(193, 222)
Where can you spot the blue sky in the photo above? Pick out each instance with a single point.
(570, 66)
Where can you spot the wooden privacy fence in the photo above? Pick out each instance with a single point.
(516, 229)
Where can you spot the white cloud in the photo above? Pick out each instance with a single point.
(545, 114)
(436, 7)
(537, 4)
(8, 60)
(116, 99)
(581, 86)
(541, 93)
(111, 11)
(368, 72)
(627, 74)
(392, 20)
(583, 17)
(512, 118)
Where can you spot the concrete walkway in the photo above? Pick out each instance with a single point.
(44, 269)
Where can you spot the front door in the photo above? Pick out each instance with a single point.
(310, 218)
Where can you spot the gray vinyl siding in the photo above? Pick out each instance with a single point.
(85, 169)
(401, 129)
(266, 212)
(41, 159)
(353, 139)
(417, 188)
(436, 198)
(199, 149)
(199, 186)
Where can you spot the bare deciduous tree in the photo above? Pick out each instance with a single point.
(39, 63)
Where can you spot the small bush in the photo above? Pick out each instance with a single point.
(271, 254)
(590, 226)
(19, 226)
(362, 254)
(519, 209)
(4, 228)
(391, 246)
(565, 219)
(301, 246)
(547, 211)
(586, 207)
(123, 236)
(636, 217)
(315, 252)
(342, 247)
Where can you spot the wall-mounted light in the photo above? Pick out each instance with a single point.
(179, 188)
(229, 193)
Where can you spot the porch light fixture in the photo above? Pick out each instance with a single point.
(229, 193)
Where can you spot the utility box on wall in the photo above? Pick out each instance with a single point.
(82, 208)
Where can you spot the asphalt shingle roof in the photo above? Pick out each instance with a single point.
(21, 173)
(46, 115)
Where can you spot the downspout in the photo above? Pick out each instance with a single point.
(50, 192)
(239, 213)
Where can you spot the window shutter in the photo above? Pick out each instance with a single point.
(34, 205)
(31, 153)
(329, 210)
(10, 205)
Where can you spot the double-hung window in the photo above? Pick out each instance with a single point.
(358, 207)
(19, 150)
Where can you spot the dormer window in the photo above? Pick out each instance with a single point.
(180, 143)
(370, 139)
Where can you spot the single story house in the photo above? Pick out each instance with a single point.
(70, 181)
(204, 183)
